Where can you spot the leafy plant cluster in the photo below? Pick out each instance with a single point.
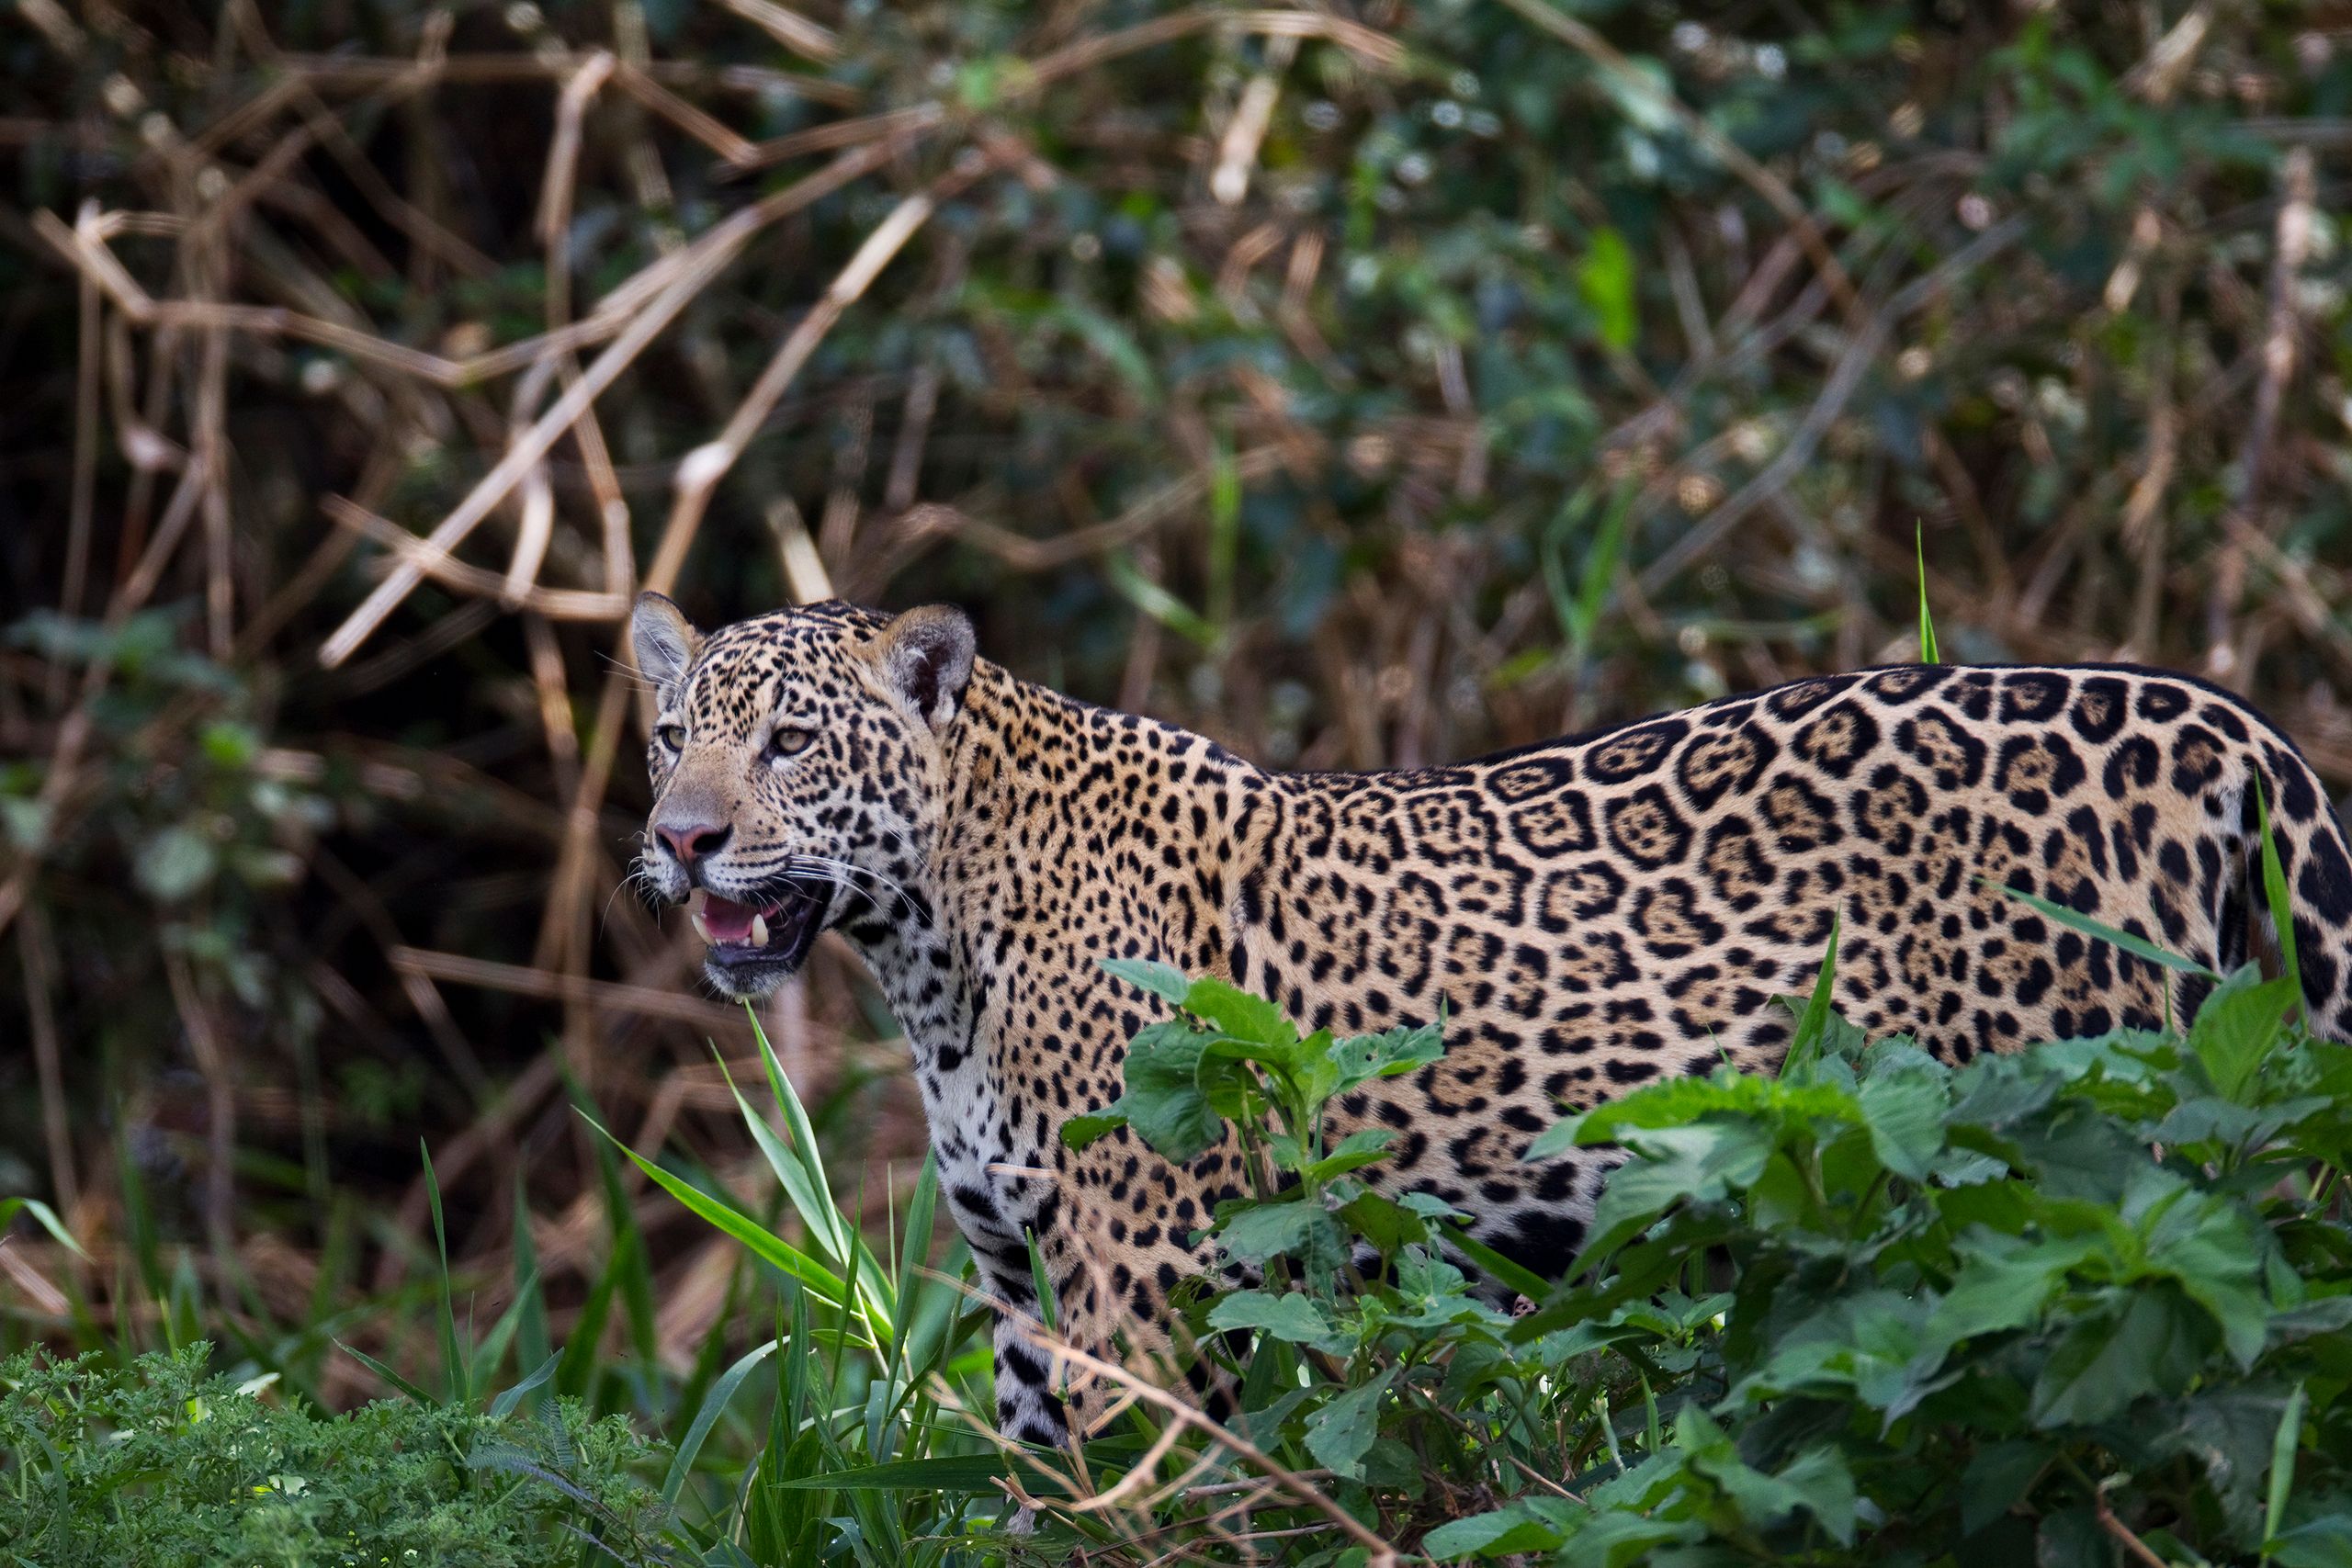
(162, 1464)
(2087, 1301)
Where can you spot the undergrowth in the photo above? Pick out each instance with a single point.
(2091, 1302)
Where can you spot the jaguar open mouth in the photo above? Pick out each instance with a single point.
(754, 947)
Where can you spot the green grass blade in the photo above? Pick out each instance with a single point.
(2274, 892)
(504, 1405)
(820, 1211)
(2074, 920)
(763, 1244)
(713, 1406)
(1046, 1305)
(2282, 1466)
(1813, 1024)
(1928, 654)
(631, 1260)
(533, 1341)
(385, 1372)
(46, 1217)
(455, 1368)
(1517, 1276)
(493, 1348)
(948, 1473)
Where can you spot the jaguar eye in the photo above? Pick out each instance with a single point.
(673, 736)
(785, 743)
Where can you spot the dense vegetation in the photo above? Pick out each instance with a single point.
(1364, 385)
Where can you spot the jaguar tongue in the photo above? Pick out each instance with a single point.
(725, 921)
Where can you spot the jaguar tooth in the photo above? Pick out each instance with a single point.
(759, 931)
(701, 927)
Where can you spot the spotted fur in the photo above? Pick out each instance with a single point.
(1594, 913)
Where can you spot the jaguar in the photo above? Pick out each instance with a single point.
(1590, 913)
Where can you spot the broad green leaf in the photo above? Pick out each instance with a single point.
(1251, 1020)
(1529, 1524)
(1160, 980)
(1366, 1056)
(1997, 1479)
(1082, 1130)
(1163, 1100)
(2005, 1283)
(1904, 1115)
(2237, 1026)
(1341, 1433)
(1293, 1316)
(1305, 1231)
(1365, 1147)
(2322, 1543)
(2108, 1358)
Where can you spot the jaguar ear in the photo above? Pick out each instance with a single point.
(666, 641)
(926, 658)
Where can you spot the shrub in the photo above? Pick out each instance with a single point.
(2088, 1299)
(158, 1465)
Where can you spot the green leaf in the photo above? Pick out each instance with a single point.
(1341, 1433)
(764, 1244)
(1904, 1114)
(1149, 976)
(2323, 1543)
(947, 1472)
(2237, 1026)
(176, 863)
(1293, 1316)
(1530, 1524)
(2108, 1359)
(1080, 1131)
(1251, 1020)
(385, 1372)
(1365, 1147)
(1367, 1056)
(2005, 1283)
(455, 1367)
(1163, 1099)
(1605, 278)
(1998, 1480)
(1304, 1231)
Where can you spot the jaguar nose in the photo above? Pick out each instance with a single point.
(694, 842)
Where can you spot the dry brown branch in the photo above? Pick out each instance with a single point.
(712, 255)
(1381, 1554)
(1861, 352)
(39, 958)
(1374, 48)
(789, 28)
(522, 981)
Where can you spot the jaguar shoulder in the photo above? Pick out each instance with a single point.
(1593, 913)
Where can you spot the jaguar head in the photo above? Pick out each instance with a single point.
(798, 762)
